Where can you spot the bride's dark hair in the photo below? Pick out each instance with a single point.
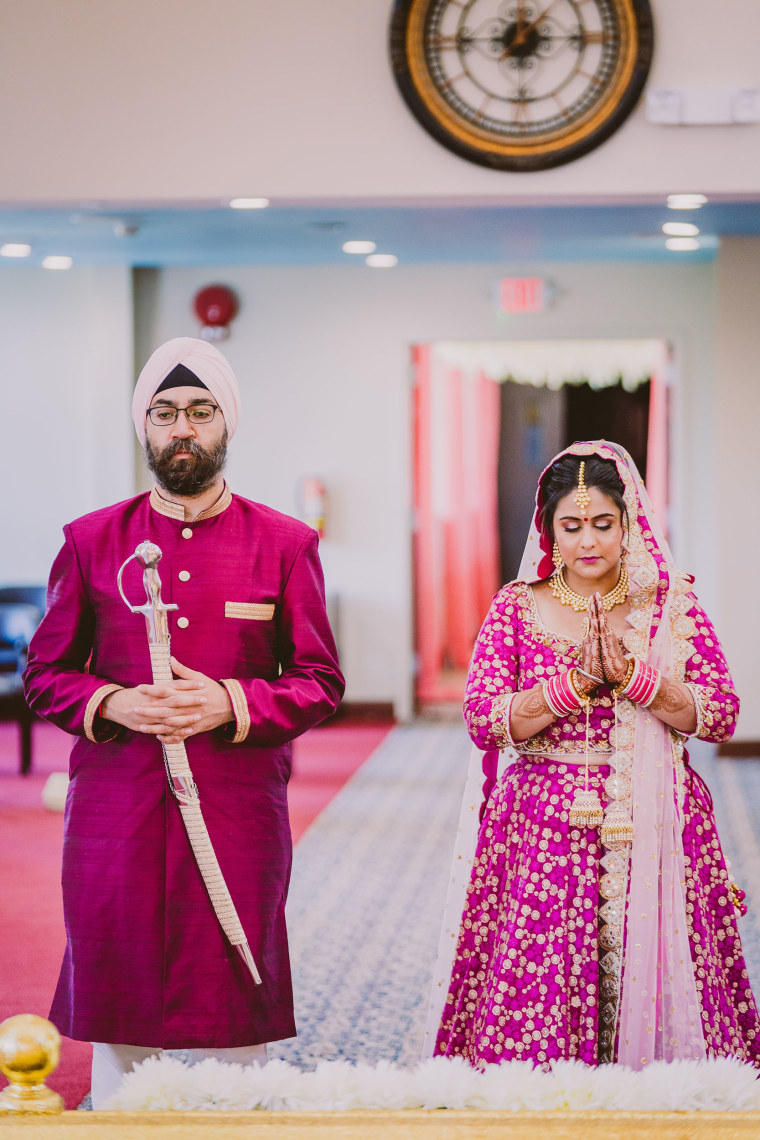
(562, 478)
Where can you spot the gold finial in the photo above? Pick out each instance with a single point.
(30, 1048)
(582, 497)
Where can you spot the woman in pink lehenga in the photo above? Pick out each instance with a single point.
(600, 918)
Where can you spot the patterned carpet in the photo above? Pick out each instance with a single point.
(369, 884)
(366, 900)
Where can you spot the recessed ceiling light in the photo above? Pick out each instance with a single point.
(359, 247)
(686, 201)
(680, 229)
(381, 260)
(249, 203)
(682, 243)
(57, 261)
(15, 249)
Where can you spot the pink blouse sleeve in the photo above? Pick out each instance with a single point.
(492, 680)
(709, 680)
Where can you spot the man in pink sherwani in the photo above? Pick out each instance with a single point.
(146, 964)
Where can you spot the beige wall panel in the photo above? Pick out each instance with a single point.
(183, 99)
(65, 377)
(737, 533)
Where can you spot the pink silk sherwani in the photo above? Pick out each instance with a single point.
(146, 962)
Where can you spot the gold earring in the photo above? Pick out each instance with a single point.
(557, 558)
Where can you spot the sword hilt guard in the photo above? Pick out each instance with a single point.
(148, 555)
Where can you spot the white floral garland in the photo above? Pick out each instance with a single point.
(167, 1083)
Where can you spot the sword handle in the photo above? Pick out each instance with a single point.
(147, 555)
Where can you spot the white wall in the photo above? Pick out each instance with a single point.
(186, 99)
(735, 533)
(323, 359)
(65, 377)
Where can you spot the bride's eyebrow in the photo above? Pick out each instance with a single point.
(577, 518)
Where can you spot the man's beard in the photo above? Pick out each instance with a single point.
(190, 476)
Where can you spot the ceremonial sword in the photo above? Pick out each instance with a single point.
(147, 555)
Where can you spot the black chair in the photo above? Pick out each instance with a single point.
(29, 595)
(18, 621)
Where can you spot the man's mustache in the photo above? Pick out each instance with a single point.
(189, 445)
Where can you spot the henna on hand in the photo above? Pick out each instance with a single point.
(674, 704)
(529, 713)
(671, 697)
(591, 662)
(584, 684)
(614, 662)
(533, 706)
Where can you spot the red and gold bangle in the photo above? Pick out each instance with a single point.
(561, 695)
(643, 684)
(628, 674)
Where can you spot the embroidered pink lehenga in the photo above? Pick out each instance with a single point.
(567, 948)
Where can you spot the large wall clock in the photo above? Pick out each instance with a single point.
(521, 84)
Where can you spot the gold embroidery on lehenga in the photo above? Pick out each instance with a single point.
(644, 576)
(683, 629)
(613, 889)
(702, 705)
(501, 710)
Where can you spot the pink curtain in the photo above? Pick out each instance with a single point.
(456, 548)
(428, 632)
(658, 473)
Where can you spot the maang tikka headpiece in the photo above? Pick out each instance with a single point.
(582, 497)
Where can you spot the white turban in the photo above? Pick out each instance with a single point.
(205, 361)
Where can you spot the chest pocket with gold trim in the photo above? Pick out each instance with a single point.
(250, 611)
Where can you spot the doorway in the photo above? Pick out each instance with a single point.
(488, 417)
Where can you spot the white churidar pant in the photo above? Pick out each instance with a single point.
(111, 1063)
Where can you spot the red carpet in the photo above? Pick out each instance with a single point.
(31, 920)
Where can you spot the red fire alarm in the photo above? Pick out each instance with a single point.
(215, 306)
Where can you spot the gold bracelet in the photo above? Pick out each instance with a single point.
(583, 697)
(628, 674)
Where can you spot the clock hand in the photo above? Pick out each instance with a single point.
(522, 34)
(538, 20)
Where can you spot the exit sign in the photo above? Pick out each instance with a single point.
(522, 294)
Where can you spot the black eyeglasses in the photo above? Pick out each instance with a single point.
(164, 415)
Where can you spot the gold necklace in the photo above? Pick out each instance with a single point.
(567, 597)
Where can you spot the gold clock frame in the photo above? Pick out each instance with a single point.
(556, 146)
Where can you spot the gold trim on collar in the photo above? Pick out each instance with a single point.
(220, 505)
(177, 511)
(164, 507)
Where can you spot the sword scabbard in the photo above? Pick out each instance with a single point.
(180, 777)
